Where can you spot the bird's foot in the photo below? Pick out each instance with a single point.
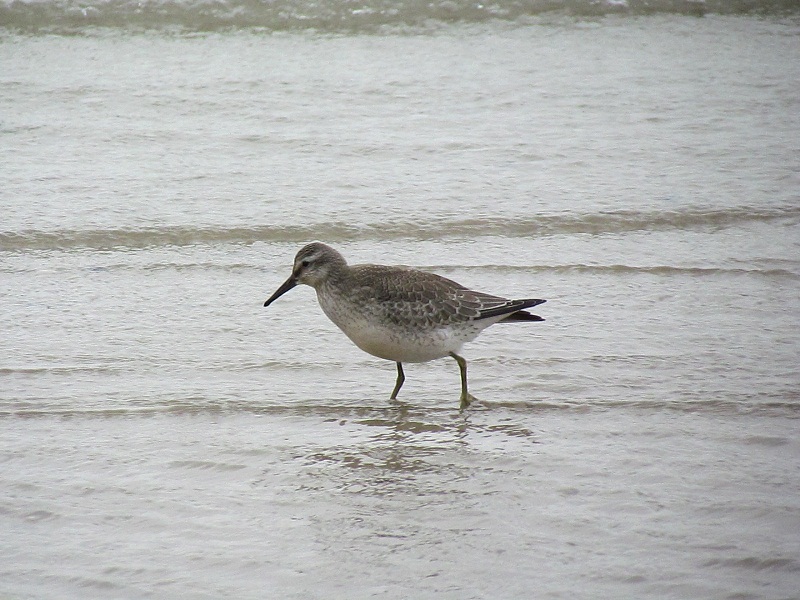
(467, 399)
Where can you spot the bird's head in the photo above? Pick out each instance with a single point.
(313, 265)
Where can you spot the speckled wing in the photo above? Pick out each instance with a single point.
(405, 294)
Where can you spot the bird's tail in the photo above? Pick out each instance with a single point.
(522, 315)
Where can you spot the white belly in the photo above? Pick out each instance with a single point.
(400, 346)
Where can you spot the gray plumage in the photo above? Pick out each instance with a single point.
(399, 313)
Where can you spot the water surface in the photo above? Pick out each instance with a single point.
(164, 435)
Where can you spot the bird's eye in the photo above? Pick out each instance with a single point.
(305, 262)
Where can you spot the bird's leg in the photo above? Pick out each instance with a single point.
(466, 397)
(400, 379)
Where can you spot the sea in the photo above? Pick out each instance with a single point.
(163, 435)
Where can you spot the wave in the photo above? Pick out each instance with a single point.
(336, 16)
(657, 270)
(617, 222)
(340, 408)
(664, 271)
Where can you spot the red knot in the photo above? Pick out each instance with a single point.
(399, 313)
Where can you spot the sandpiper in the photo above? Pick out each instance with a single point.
(398, 313)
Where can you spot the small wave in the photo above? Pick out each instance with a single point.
(618, 222)
(659, 270)
(147, 237)
(753, 563)
(337, 409)
(206, 465)
(56, 370)
(335, 16)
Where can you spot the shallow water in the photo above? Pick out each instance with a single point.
(402, 500)
(164, 435)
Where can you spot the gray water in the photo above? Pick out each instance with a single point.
(164, 435)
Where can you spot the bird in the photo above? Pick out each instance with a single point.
(401, 314)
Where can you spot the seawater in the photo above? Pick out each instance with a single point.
(164, 435)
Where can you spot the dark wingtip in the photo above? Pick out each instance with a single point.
(524, 315)
(534, 302)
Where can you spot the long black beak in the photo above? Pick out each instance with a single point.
(285, 287)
